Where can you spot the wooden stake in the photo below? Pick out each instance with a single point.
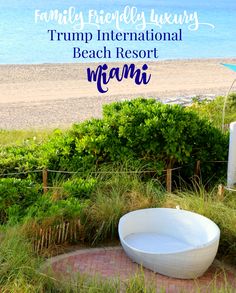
(221, 191)
(50, 236)
(75, 232)
(63, 232)
(39, 240)
(59, 234)
(46, 237)
(35, 239)
(169, 180)
(67, 230)
(45, 180)
(197, 171)
(71, 231)
(42, 240)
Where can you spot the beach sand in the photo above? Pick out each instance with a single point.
(57, 95)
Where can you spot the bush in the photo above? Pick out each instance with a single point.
(22, 199)
(147, 134)
(79, 187)
(213, 110)
(16, 196)
(19, 158)
(162, 132)
(143, 132)
(45, 207)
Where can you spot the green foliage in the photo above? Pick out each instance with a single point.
(17, 137)
(143, 132)
(22, 199)
(221, 211)
(79, 187)
(57, 151)
(46, 207)
(16, 257)
(16, 196)
(115, 195)
(212, 110)
(19, 158)
(139, 284)
(19, 267)
(163, 132)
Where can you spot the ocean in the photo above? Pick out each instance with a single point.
(25, 41)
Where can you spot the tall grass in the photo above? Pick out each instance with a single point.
(117, 194)
(212, 110)
(122, 193)
(19, 266)
(17, 137)
(221, 210)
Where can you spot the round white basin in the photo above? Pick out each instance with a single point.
(176, 243)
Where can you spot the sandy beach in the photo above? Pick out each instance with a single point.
(56, 95)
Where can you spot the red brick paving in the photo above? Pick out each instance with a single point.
(112, 263)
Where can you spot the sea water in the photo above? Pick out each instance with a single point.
(23, 40)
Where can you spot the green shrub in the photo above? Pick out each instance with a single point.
(162, 132)
(143, 132)
(63, 209)
(16, 195)
(19, 158)
(212, 110)
(79, 187)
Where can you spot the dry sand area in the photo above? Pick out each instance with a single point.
(56, 95)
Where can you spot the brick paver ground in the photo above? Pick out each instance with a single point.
(112, 262)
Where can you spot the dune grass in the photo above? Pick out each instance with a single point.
(19, 265)
(115, 195)
(221, 211)
(120, 193)
(17, 137)
(212, 111)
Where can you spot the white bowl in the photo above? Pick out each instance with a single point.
(172, 242)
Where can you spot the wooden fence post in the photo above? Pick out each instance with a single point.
(221, 192)
(169, 180)
(45, 180)
(197, 171)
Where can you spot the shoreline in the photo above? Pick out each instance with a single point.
(202, 59)
(57, 95)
